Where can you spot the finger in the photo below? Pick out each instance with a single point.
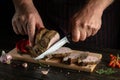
(20, 27)
(83, 34)
(31, 31)
(15, 27)
(25, 27)
(88, 31)
(75, 34)
(94, 31)
(24, 24)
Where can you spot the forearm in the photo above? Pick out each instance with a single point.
(100, 5)
(21, 4)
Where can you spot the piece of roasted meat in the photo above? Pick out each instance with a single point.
(44, 39)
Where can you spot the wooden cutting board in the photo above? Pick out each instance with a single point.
(55, 62)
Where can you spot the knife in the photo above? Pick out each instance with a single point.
(53, 48)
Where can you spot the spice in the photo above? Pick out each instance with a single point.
(114, 61)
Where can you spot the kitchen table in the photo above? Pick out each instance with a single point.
(15, 71)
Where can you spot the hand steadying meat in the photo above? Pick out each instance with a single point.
(26, 19)
(87, 22)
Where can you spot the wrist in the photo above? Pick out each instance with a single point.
(98, 5)
(22, 4)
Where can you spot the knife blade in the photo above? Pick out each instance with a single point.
(53, 48)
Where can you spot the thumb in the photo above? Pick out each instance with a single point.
(31, 31)
(75, 34)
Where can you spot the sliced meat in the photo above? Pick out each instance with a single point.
(31, 51)
(60, 53)
(38, 49)
(63, 50)
(91, 60)
(49, 38)
(74, 56)
(69, 56)
(40, 35)
(44, 39)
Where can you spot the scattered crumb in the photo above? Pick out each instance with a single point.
(25, 65)
(68, 72)
(45, 72)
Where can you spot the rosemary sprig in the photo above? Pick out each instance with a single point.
(107, 71)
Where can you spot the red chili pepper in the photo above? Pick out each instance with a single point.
(112, 57)
(111, 63)
(114, 61)
(21, 45)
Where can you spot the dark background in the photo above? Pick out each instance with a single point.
(110, 28)
(8, 37)
(6, 32)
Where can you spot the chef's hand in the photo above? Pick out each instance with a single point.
(26, 20)
(87, 22)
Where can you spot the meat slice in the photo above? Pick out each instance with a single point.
(44, 39)
(74, 56)
(91, 60)
(49, 39)
(60, 53)
(63, 50)
(40, 35)
(67, 55)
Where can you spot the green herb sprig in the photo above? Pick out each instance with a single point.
(107, 71)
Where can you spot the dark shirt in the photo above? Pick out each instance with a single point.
(56, 15)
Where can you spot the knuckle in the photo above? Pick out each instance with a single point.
(76, 23)
(30, 16)
(84, 24)
(22, 18)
